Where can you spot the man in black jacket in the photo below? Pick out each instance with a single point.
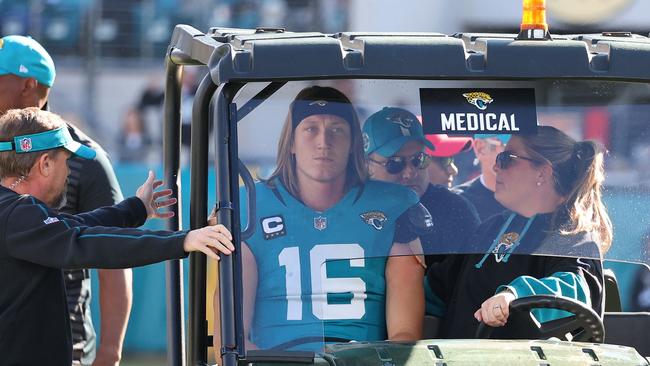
(36, 241)
(395, 150)
(27, 74)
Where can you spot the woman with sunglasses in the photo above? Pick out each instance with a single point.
(551, 185)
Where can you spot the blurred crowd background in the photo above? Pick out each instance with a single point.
(110, 73)
(109, 53)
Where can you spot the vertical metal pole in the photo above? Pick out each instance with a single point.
(225, 168)
(173, 268)
(197, 324)
(90, 65)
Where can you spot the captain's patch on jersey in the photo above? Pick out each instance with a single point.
(273, 227)
(50, 220)
(471, 111)
(375, 219)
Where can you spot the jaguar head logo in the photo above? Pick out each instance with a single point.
(401, 119)
(375, 219)
(479, 100)
(505, 245)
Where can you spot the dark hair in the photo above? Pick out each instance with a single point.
(285, 170)
(578, 174)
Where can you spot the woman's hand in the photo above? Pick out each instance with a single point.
(495, 310)
(155, 201)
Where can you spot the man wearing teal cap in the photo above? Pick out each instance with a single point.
(394, 145)
(389, 132)
(37, 241)
(480, 190)
(27, 73)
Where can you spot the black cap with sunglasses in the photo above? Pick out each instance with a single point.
(386, 131)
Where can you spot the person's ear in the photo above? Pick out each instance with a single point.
(545, 174)
(479, 147)
(30, 86)
(45, 165)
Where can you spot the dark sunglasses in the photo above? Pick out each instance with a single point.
(397, 164)
(505, 159)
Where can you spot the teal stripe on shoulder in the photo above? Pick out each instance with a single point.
(39, 205)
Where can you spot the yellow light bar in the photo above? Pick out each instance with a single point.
(534, 15)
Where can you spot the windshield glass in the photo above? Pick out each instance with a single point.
(354, 177)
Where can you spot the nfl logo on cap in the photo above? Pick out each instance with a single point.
(26, 144)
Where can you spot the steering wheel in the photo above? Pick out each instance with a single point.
(584, 324)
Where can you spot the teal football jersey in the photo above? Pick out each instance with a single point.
(321, 274)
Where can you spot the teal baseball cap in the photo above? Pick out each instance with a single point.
(47, 140)
(386, 131)
(504, 138)
(24, 57)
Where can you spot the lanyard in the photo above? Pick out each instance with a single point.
(496, 240)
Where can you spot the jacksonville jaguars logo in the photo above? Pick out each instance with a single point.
(479, 100)
(320, 103)
(375, 219)
(403, 120)
(506, 243)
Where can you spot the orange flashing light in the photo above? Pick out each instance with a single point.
(533, 20)
(534, 15)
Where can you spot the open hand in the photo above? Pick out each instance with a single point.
(154, 200)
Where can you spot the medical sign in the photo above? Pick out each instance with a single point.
(470, 111)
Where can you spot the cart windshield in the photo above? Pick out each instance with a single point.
(355, 180)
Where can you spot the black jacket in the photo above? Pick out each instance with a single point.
(464, 282)
(36, 243)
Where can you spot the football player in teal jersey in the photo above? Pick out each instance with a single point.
(330, 259)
